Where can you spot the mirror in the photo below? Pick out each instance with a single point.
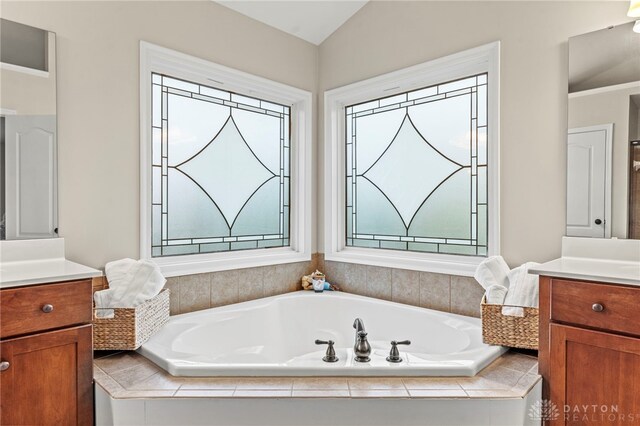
(603, 148)
(28, 154)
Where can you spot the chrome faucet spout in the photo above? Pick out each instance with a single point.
(358, 324)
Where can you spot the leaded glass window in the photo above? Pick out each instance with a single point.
(220, 170)
(416, 170)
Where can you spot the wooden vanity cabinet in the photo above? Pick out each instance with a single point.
(46, 356)
(589, 353)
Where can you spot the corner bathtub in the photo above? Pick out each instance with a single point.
(275, 336)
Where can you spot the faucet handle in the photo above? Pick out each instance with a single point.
(330, 356)
(394, 354)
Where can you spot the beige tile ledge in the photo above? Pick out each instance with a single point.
(129, 375)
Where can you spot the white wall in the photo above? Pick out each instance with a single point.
(604, 108)
(98, 106)
(388, 35)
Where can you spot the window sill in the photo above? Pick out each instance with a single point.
(425, 262)
(198, 264)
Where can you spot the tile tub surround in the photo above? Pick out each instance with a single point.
(448, 293)
(129, 375)
(203, 291)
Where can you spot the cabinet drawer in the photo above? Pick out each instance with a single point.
(42, 307)
(580, 303)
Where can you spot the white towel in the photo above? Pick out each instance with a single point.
(130, 283)
(496, 294)
(523, 288)
(493, 270)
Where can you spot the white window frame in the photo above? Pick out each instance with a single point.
(478, 60)
(158, 59)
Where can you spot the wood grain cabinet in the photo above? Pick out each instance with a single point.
(590, 351)
(46, 355)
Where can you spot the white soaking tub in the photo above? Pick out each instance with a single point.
(275, 336)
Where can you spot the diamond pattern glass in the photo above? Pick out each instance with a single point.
(220, 177)
(417, 172)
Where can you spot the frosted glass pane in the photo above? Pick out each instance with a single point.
(179, 84)
(156, 177)
(215, 93)
(375, 133)
(245, 100)
(156, 102)
(213, 247)
(446, 212)
(366, 243)
(191, 213)
(244, 245)
(482, 225)
(393, 99)
(156, 223)
(393, 245)
(262, 134)
(376, 215)
(482, 184)
(156, 147)
(349, 222)
(192, 125)
(427, 247)
(401, 173)
(286, 224)
(445, 124)
(482, 146)
(228, 171)
(365, 106)
(482, 106)
(261, 214)
(287, 125)
(457, 85)
(272, 107)
(453, 249)
(422, 93)
(177, 250)
(287, 184)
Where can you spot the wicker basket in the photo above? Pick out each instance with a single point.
(131, 327)
(511, 331)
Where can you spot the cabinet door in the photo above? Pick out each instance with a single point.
(595, 377)
(47, 378)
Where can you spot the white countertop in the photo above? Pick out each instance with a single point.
(17, 274)
(27, 262)
(608, 271)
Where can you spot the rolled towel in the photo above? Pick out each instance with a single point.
(523, 289)
(130, 284)
(491, 271)
(496, 294)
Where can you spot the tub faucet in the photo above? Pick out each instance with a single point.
(362, 348)
(358, 324)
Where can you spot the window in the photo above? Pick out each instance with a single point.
(220, 179)
(417, 153)
(417, 170)
(218, 170)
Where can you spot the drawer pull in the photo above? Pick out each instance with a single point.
(4, 365)
(597, 307)
(47, 308)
